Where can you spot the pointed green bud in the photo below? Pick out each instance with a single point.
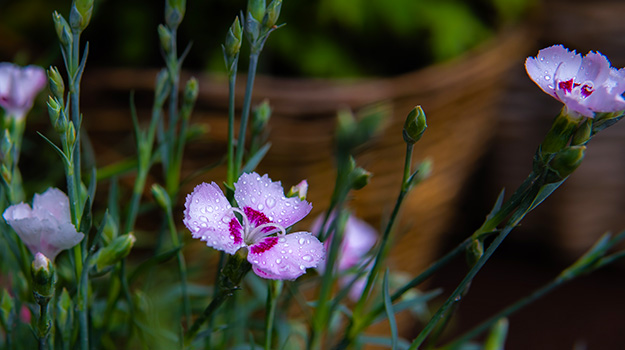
(161, 197)
(261, 116)
(415, 125)
(57, 117)
(113, 253)
(272, 13)
(63, 308)
(164, 35)
(583, 133)
(346, 128)
(359, 178)
(42, 273)
(560, 133)
(6, 144)
(6, 307)
(565, 162)
(57, 86)
(162, 87)
(63, 30)
(232, 46)
(70, 134)
(174, 12)
(300, 190)
(110, 231)
(256, 8)
(474, 252)
(191, 91)
(80, 14)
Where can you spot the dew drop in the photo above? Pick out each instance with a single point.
(270, 202)
(278, 261)
(542, 59)
(290, 251)
(225, 219)
(209, 209)
(261, 206)
(216, 200)
(255, 261)
(547, 77)
(204, 225)
(307, 258)
(283, 251)
(302, 241)
(197, 200)
(301, 267)
(281, 239)
(253, 199)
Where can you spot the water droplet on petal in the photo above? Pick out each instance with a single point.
(261, 206)
(209, 209)
(290, 251)
(270, 202)
(547, 77)
(302, 241)
(302, 267)
(278, 261)
(307, 257)
(225, 219)
(281, 240)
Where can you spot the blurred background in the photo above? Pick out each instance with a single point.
(461, 60)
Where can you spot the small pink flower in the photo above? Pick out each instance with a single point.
(265, 214)
(585, 85)
(19, 87)
(358, 240)
(47, 227)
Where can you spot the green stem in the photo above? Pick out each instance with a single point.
(173, 68)
(231, 176)
(43, 326)
(83, 290)
(274, 290)
(182, 270)
(247, 101)
(211, 320)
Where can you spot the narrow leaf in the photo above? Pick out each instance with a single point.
(388, 306)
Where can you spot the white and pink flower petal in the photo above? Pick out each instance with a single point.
(209, 217)
(267, 197)
(549, 61)
(286, 257)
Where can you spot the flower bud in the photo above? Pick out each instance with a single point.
(262, 113)
(70, 134)
(300, 190)
(57, 116)
(161, 197)
(191, 91)
(415, 125)
(42, 272)
(63, 308)
(114, 252)
(256, 8)
(474, 252)
(110, 231)
(174, 12)
(359, 178)
(232, 46)
(6, 306)
(161, 90)
(582, 134)
(63, 30)
(272, 13)
(565, 162)
(164, 35)
(80, 14)
(57, 86)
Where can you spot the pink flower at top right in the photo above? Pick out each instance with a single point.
(586, 85)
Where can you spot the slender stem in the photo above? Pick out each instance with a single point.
(173, 68)
(274, 289)
(230, 177)
(211, 320)
(210, 309)
(83, 290)
(43, 326)
(182, 270)
(506, 312)
(245, 113)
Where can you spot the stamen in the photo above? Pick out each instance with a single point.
(258, 231)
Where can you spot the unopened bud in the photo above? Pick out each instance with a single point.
(565, 162)
(63, 30)
(6, 306)
(232, 45)
(161, 197)
(42, 272)
(111, 254)
(474, 252)
(57, 86)
(70, 134)
(80, 14)
(256, 8)
(262, 114)
(110, 231)
(272, 13)
(162, 88)
(63, 308)
(415, 125)
(300, 190)
(359, 178)
(174, 12)
(57, 117)
(191, 91)
(165, 36)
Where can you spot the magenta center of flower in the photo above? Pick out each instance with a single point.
(264, 245)
(569, 87)
(235, 231)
